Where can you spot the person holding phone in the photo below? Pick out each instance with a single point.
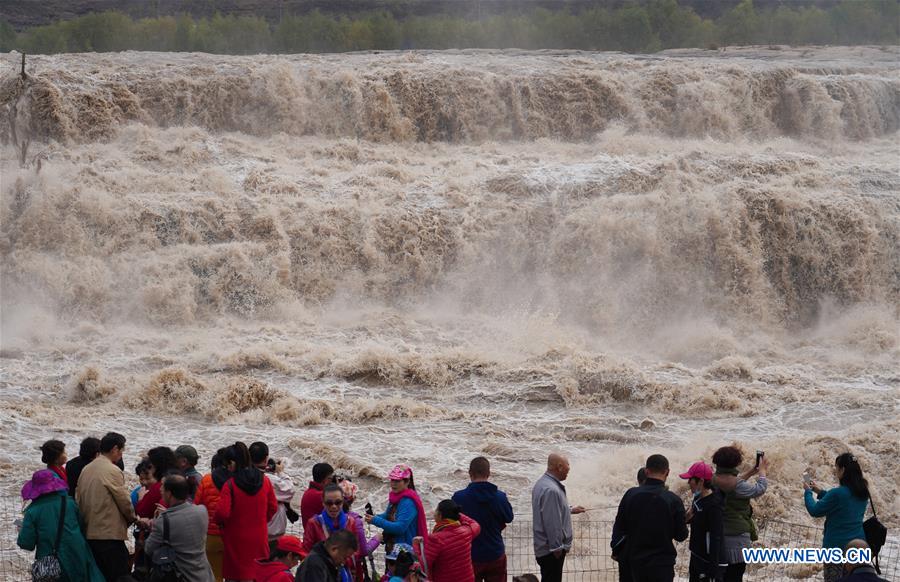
(740, 528)
(843, 507)
(367, 546)
(707, 518)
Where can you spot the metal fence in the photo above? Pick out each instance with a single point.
(589, 560)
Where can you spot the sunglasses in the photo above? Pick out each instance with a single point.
(334, 503)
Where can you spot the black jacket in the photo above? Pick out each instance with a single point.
(707, 532)
(318, 567)
(74, 468)
(862, 574)
(649, 518)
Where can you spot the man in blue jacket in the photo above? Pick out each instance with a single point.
(486, 504)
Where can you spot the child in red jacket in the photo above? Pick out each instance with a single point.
(282, 560)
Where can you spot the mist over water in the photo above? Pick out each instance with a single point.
(427, 256)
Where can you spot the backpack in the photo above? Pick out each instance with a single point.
(48, 568)
(163, 567)
(876, 534)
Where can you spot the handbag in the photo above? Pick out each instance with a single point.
(163, 567)
(48, 568)
(876, 534)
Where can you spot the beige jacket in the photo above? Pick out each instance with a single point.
(104, 501)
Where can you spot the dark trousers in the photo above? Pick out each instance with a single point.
(650, 573)
(551, 567)
(490, 571)
(735, 572)
(624, 571)
(111, 557)
(698, 571)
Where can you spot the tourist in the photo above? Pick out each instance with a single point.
(706, 516)
(282, 485)
(859, 572)
(325, 559)
(283, 558)
(53, 454)
(162, 461)
(552, 518)
(187, 458)
(87, 452)
(349, 491)
(447, 551)
(187, 525)
(740, 527)
(146, 480)
(311, 502)
(404, 517)
(487, 505)
(208, 496)
(246, 505)
(649, 518)
(843, 507)
(50, 505)
(333, 518)
(106, 508)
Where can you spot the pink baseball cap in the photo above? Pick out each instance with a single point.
(699, 470)
(400, 472)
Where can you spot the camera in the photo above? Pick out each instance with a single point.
(270, 465)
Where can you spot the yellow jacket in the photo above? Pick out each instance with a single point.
(104, 501)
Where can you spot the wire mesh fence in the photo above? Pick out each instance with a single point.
(589, 560)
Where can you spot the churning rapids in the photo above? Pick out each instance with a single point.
(369, 258)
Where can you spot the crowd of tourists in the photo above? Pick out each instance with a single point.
(231, 523)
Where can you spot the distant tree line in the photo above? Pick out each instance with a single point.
(638, 27)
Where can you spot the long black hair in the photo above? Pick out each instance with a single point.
(852, 478)
(239, 454)
(163, 460)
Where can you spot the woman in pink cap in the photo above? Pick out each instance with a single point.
(707, 518)
(404, 518)
(50, 504)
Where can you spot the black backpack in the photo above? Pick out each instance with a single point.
(163, 567)
(876, 534)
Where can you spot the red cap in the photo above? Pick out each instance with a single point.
(699, 470)
(290, 544)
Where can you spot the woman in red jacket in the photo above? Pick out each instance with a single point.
(161, 461)
(448, 550)
(246, 504)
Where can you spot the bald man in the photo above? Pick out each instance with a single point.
(552, 516)
(859, 572)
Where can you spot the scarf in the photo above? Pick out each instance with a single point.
(421, 522)
(329, 525)
(60, 472)
(444, 523)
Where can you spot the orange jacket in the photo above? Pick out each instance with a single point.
(208, 496)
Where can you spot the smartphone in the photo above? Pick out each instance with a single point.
(369, 510)
(759, 456)
(807, 478)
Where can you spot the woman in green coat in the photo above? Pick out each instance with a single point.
(47, 494)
